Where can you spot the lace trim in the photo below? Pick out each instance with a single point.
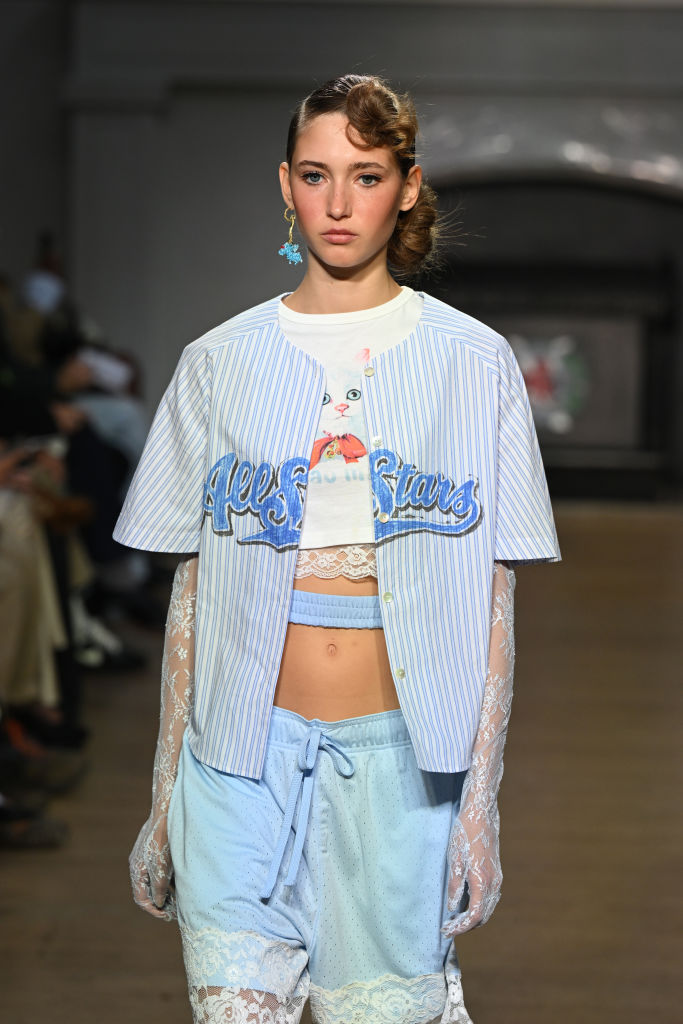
(504, 610)
(243, 1006)
(351, 560)
(248, 1006)
(278, 975)
(214, 959)
(391, 1000)
(455, 1011)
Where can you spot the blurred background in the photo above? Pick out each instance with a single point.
(139, 207)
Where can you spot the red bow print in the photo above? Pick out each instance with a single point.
(348, 445)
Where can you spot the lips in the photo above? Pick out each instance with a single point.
(338, 237)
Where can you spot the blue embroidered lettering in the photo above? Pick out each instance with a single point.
(447, 491)
(463, 498)
(240, 497)
(383, 463)
(421, 491)
(275, 497)
(216, 490)
(263, 481)
(398, 486)
(405, 473)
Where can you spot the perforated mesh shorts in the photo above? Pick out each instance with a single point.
(326, 878)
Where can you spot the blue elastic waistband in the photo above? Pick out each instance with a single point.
(335, 610)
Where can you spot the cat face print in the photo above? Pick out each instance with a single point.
(341, 429)
(342, 411)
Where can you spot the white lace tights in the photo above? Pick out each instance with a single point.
(243, 1006)
(216, 1005)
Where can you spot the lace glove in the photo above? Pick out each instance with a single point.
(151, 869)
(473, 848)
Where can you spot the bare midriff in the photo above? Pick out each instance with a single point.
(331, 673)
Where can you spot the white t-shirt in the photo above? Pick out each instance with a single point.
(338, 508)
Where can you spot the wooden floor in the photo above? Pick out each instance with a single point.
(589, 928)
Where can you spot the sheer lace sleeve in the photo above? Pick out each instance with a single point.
(473, 850)
(150, 860)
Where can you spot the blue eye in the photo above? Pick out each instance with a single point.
(326, 399)
(369, 179)
(309, 176)
(353, 394)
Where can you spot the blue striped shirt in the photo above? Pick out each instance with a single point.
(457, 483)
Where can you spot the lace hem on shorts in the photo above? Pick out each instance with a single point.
(243, 978)
(391, 1000)
(351, 560)
(214, 959)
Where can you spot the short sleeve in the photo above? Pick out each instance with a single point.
(163, 508)
(525, 528)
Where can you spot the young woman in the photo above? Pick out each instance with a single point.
(353, 468)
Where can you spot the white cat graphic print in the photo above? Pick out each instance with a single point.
(339, 504)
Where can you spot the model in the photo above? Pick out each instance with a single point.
(350, 471)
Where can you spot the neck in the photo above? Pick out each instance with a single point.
(323, 291)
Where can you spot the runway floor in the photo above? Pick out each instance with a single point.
(589, 927)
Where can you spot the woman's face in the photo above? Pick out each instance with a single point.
(346, 197)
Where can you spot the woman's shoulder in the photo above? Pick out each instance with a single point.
(486, 344)
(249, 320)
(461, 327)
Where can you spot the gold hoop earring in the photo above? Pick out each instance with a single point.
(290, 249)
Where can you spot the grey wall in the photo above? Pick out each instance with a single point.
(178, 218)
(32, 141)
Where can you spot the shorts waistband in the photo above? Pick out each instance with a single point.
(345, 612)
(313, 739)
(386, 728)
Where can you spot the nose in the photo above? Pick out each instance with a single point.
(339, 202)
(341, 408)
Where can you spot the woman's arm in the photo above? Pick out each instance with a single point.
(151, 869)
(473, 850)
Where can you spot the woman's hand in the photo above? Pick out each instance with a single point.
(12, 475)
(151, 870)
(74, 375)
(473, 859)
(69, 418)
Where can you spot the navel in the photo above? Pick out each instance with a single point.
(331, 649)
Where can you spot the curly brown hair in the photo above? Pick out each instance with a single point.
(381, 117)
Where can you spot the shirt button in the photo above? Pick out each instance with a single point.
(377, 441)
(387, 596)
(400, 673)
(383, 517)
(369, 371)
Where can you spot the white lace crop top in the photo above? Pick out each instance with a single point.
(337, 536)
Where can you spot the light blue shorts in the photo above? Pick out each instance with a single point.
(351, 837)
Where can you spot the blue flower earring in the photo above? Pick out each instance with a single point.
(290, 249)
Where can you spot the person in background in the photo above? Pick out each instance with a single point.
(34, 630)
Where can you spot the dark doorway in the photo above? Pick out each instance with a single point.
(584, 280)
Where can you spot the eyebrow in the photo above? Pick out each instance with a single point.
(360, 166)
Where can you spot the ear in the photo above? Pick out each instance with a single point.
(283, 171)
(411, 188)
